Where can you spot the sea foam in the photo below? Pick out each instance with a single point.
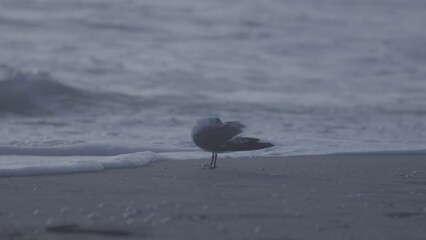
(93, 149)
(41, 165)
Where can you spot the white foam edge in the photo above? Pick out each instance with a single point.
(92, 149)
(24, 165)
(13, 165)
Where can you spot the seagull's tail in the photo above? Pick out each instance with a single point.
(246, 144)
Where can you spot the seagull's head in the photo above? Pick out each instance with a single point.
(206, 123)
(209, 121)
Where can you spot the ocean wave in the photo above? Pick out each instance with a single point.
(38, 93)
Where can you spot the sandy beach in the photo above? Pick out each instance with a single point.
(309, 197)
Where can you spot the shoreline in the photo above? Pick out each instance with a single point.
(303, 197)
(15, 166)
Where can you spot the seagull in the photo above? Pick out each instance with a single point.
(215, 136)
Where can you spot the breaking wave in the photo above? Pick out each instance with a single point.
(38, 93)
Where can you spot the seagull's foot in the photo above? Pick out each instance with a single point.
(212, 167)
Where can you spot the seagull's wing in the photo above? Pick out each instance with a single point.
(227, 131)
(245, 144)
(234, 124)
(213, 138)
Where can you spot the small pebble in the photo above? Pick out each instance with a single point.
(206, 207)
(50, 221)
(154, 207)
(319, 228)
(275, 195)
(130, 221)
(220, 228)
(64, 209)
(36, 212)
(166, 220)
(92, 216)
(356, 195)
(149, 218)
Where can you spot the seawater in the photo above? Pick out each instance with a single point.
(90, 85)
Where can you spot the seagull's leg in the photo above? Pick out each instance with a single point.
(215, 158)
(211, 163)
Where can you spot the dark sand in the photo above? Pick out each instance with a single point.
(318, 197)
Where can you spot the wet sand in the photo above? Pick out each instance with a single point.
(307, 197)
